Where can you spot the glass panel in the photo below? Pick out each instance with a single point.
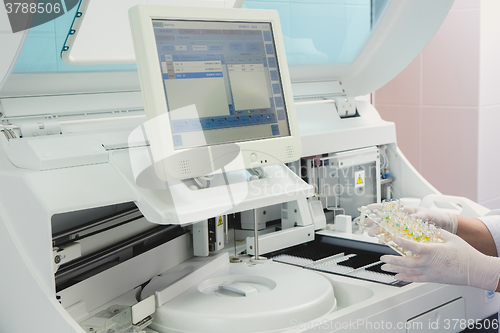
(324, 31)
(378, 7)
(42, 50)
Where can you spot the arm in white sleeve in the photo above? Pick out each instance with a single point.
(492, 222)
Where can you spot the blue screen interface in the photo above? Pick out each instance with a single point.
(222, 81)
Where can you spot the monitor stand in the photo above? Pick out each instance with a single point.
(178, 202)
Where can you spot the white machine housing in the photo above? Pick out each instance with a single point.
(59, 137)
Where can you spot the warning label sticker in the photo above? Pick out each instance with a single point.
(359, 178)
(220, 221)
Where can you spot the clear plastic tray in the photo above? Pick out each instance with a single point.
(394, 222)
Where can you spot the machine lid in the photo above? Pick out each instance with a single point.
(247, 298)
(362, 44)
(387, 45)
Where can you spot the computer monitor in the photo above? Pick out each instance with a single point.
(217, 82)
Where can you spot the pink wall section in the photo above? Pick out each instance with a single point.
(489, 99)
(449, 149)
(489, 156)
(450, 62)
(435, 104)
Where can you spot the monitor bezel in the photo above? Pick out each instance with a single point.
(269, 150)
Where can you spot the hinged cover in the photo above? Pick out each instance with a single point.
(403, 30)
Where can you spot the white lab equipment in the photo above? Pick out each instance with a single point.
(343, 223)
(76, 198)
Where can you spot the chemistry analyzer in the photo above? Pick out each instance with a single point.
(201, 169)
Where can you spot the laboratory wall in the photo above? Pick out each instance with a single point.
(446, 104)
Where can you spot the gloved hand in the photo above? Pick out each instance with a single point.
(446, 221)
(443, 220)
(453, 262)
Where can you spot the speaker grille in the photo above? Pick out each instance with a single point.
(286, 153)
(290, 151)
(184, 167)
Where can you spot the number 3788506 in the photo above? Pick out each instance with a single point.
(32, 8)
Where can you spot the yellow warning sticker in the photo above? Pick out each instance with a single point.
(220, 221)
(359, 178)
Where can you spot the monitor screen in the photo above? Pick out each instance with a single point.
(230, 72)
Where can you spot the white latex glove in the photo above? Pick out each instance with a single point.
(453, 262)
(443, 220)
